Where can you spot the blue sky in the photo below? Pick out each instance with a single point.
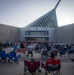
(20, 13)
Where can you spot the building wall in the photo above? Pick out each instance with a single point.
(9, 33)
(51, 31)
(65, 34)
(22, 34)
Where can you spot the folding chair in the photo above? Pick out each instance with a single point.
(31, 68)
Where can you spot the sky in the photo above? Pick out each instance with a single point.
(20, 13)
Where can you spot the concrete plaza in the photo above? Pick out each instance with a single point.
(67, 66)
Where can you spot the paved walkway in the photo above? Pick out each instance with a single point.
(67, 66)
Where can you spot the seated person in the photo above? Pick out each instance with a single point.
(44, 52)
(29, 50)
(12, 56)
(52, 61)
(32, 65)
(3, 55)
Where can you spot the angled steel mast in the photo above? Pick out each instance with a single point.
(57, 4)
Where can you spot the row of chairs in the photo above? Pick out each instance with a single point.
(23, 50)
(69, 52)
(9, 57)
(33, 68)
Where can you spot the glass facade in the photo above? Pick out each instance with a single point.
(47, 20)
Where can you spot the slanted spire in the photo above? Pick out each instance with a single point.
(57, 4)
